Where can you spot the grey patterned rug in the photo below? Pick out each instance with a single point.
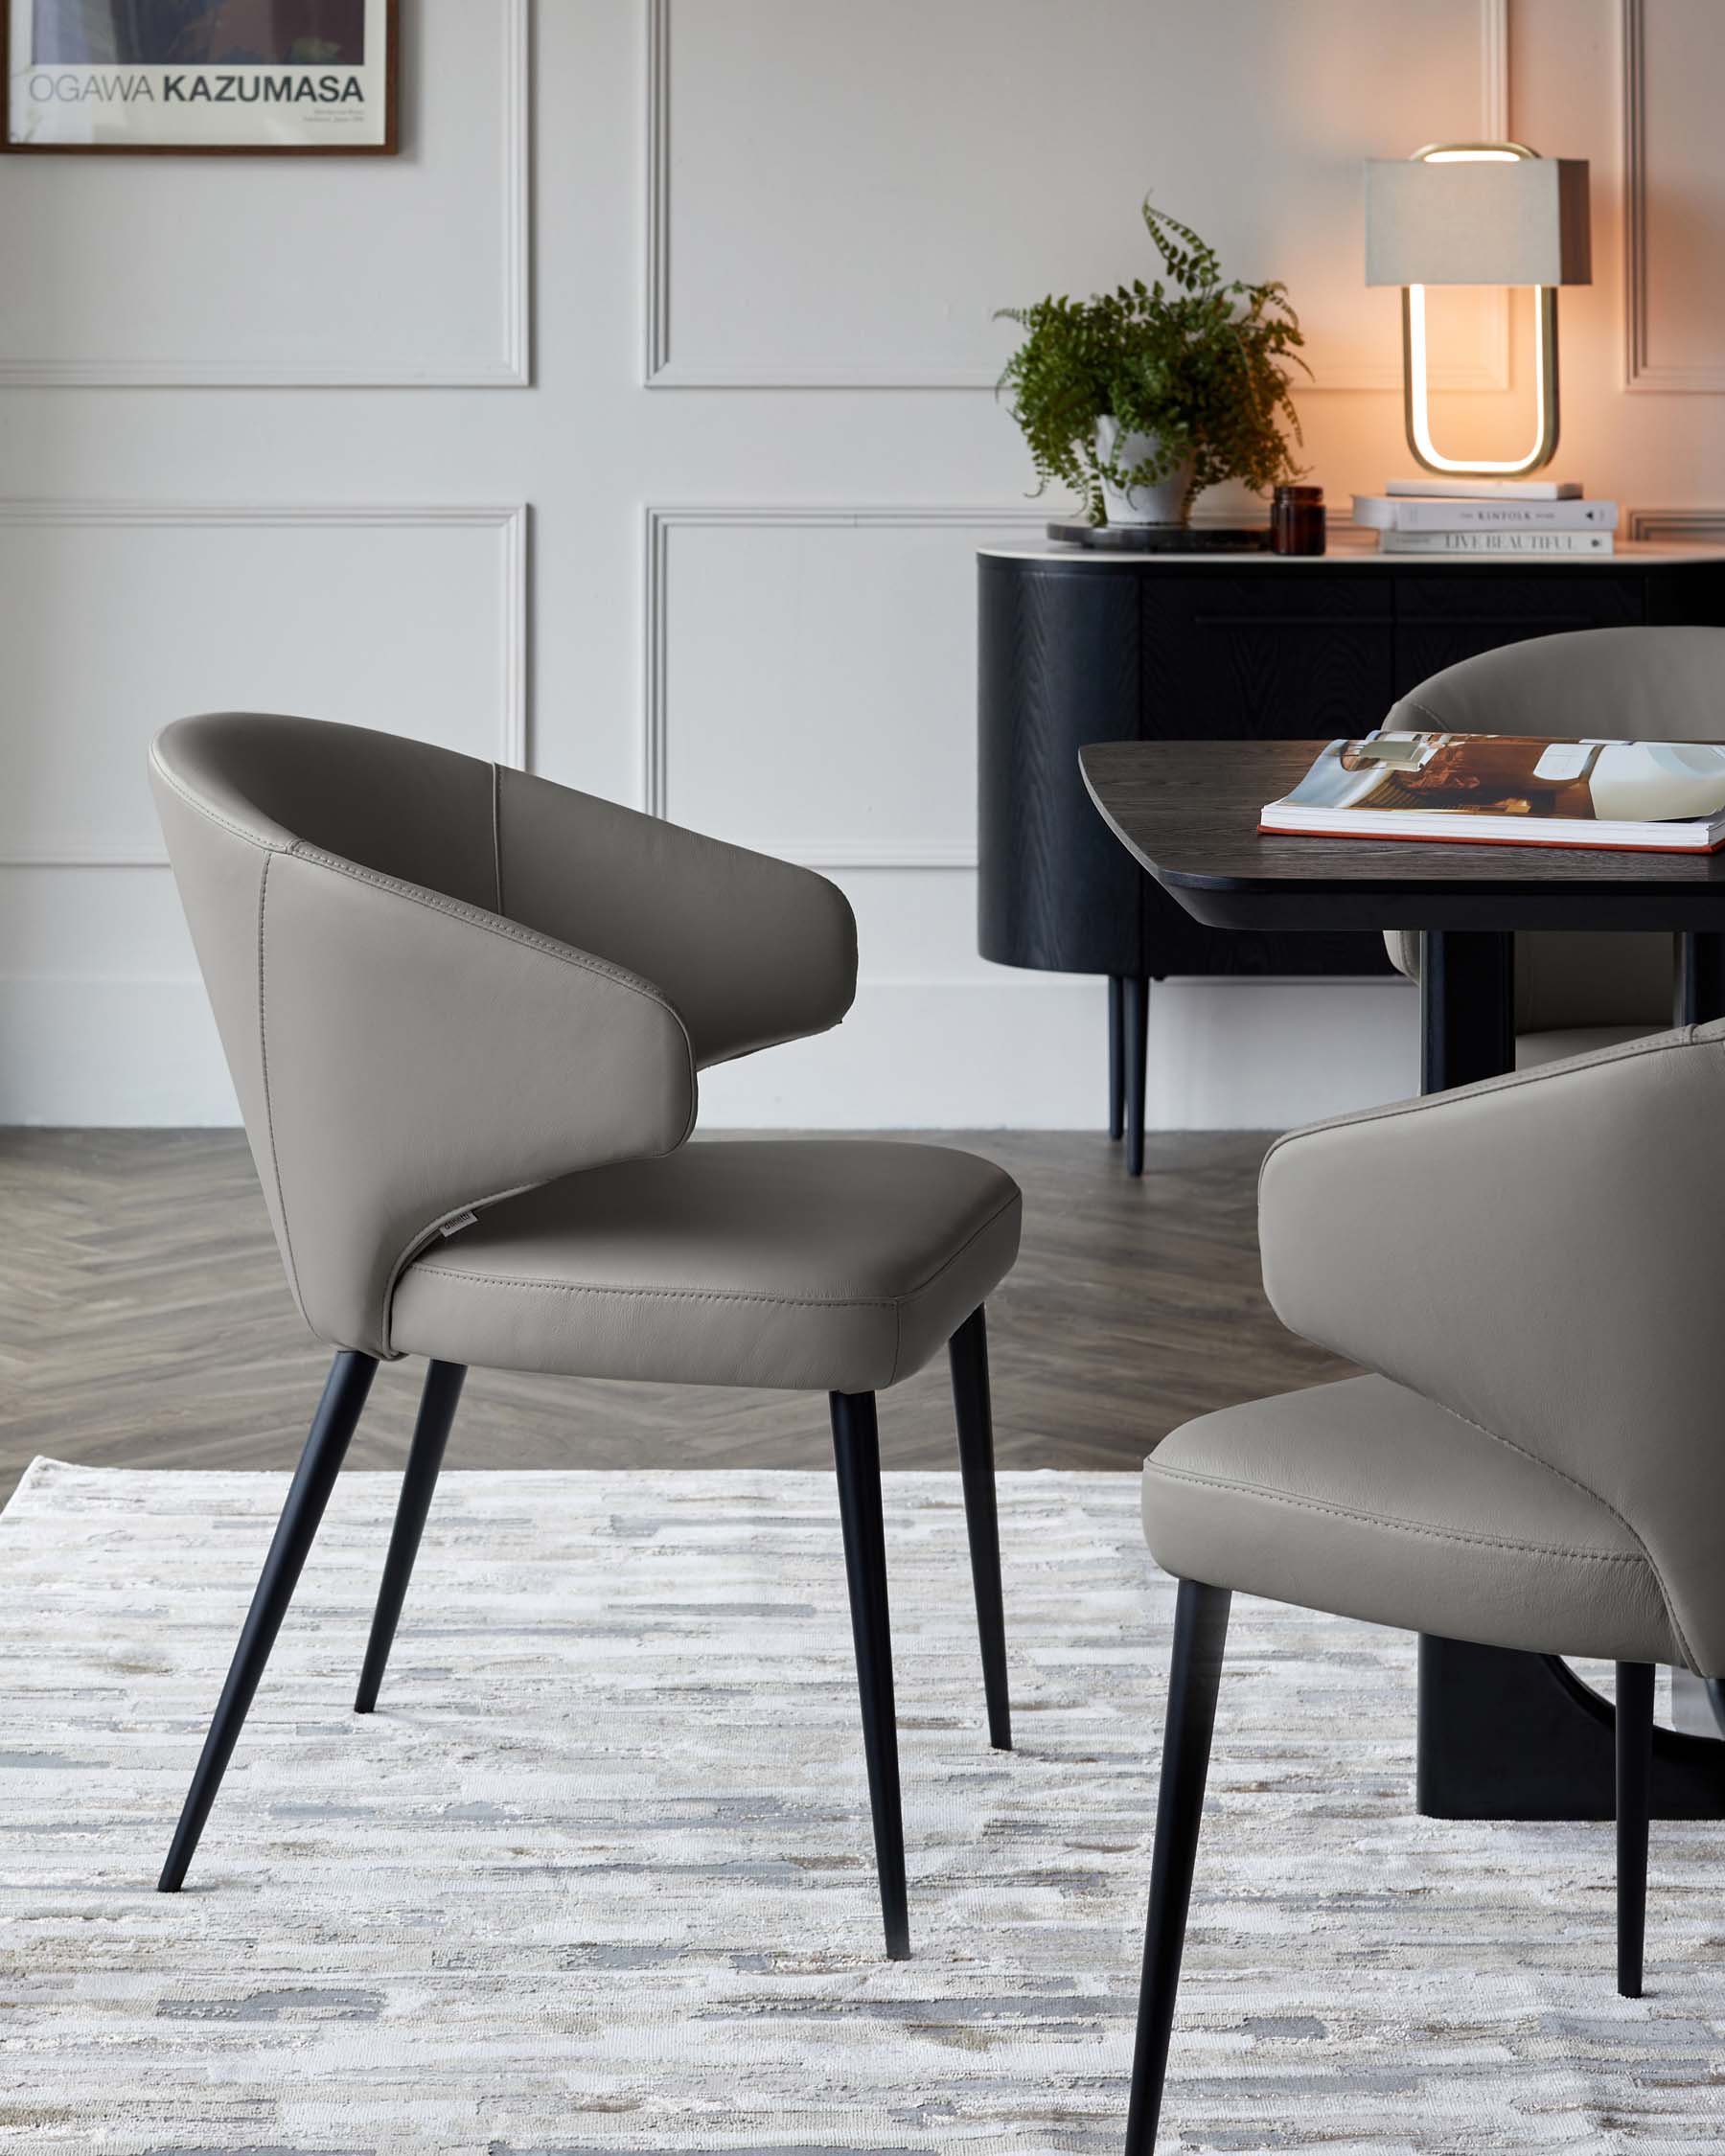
(597, 1875)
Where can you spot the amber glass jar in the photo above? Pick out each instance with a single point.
(1297, 521)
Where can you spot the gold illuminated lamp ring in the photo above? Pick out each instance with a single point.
(1414, 398)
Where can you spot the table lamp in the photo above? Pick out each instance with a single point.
(1478, 213)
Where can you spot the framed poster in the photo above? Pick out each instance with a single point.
(292, 78)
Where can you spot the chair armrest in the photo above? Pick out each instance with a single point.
(1403, 948)
(750, 950)
(416, 1057)
(1542, 1254)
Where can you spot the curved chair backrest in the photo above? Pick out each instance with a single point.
(439, 981)
(1539, 1253)
(1618, 684)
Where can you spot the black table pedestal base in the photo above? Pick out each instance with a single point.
(1505, 1735)
(1466, 1007)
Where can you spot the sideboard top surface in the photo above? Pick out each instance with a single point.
(1358, 550)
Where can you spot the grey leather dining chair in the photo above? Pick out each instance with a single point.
(465, 1011)
(1575, 990)
(1529, 1268)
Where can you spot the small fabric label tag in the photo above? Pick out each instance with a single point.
(454, 1226)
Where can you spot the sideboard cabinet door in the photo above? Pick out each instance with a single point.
(1272, 654)
(1057, 663)
(1444, 619)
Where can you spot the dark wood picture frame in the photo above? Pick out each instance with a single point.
(389, 147)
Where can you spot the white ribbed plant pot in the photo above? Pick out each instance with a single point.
(1164, 502)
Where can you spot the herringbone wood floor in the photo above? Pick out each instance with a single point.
(143, 1321)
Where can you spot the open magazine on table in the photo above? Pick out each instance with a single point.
(1517, 789)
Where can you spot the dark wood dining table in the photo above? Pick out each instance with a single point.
(1501, 1736)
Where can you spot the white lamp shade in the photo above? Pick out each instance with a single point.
(1510, 222)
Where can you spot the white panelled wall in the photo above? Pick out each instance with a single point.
(636, 424)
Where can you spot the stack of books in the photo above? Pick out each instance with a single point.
(1512, 518)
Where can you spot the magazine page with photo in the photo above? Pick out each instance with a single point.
(1513, 789)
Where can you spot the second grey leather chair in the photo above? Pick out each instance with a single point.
(1577, 992)
(1530, 1267)
(464, 1010)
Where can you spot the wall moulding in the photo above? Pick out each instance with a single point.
(510, 369)
(658, 523)
(508, 521)
(1677, 527)
(1641, 372)
(662, 368)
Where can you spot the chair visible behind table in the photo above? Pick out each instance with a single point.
(1577, 990)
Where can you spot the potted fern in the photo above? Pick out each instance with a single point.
(1140, 398)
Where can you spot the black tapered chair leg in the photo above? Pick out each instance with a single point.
(1136, 999)
(968, 1353)
(1634, 1795)
(1117, 1057)
(1200, 1636)
(332, 1426)
(857, 1455)
(437, 1406)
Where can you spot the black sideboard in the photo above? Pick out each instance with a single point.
(1077, 648)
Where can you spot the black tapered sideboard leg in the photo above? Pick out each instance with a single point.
(1135, 997)
(1200, 1639)
(437, 1406)
(1634, 1800)
(968, 1353)
(857, 1456)
(1116, 1055)
(332, 1426)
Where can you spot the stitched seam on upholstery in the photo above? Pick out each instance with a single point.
(581, 961)
(275, 1158)
(1670, 1041)
(491, 925)
(490, 922)
(1606, 1505)
(725, 1295)
(898, 1348)
(479, 919)
(405, 1256)
(209, 815)
(1409, 1526)
(426, 1238)
(659, 1295)
(419, 1241)
(497, 813)
(946, 1263)
(1626, 1051)
(1412, 703)
(1507, 1081)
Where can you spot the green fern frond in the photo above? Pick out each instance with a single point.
(1197, 364)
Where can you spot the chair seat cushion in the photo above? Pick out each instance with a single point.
(823, 1265)
(1559, 1044)
(1364, 1498)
